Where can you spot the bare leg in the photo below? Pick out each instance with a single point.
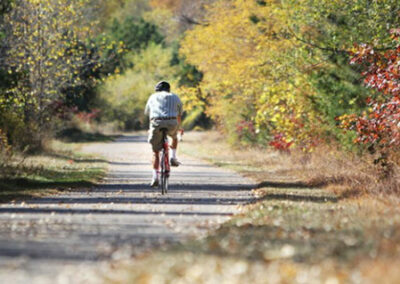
(174, 161)
(174, 144)
(156, 160)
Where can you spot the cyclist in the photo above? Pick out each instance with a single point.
(165, 111)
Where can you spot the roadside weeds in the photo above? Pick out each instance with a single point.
(296, 232)
(61, 167)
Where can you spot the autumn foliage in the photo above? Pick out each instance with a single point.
(236, 51)
(51, 59)
(283, 74)
(284, 67)
(379, 127)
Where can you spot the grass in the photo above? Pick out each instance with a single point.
(295, 233)
(345, 174)
(61, 167)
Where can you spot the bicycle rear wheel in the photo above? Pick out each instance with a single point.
(164, 174)
(165, 183)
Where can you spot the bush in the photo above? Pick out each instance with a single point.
(124, 97)
(136, 34)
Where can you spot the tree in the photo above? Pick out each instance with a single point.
(4, 76)
(283, 65)
(328, 30)
(47, 53)
(189, 13)
(125, 95)
(246, 57)
(136, 34)
(44, 42)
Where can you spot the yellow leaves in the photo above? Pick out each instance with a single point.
(191, 97)
(120, 46)
(229, 49)
(40, 45)
(35, 2)
(250, 66)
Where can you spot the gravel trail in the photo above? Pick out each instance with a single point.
(70, 238)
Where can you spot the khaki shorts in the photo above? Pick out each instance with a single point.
(155, 135)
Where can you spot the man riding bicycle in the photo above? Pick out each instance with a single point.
(165, 111)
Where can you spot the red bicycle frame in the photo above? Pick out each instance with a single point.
(165, 166)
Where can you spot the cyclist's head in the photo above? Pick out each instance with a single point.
(163, 86)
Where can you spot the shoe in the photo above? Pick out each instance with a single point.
(154, 182)
(174, 162)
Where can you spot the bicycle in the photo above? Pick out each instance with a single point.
(165, 167)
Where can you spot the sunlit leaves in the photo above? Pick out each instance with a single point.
(336, 25)
(50, 57)
(249, 65)
(43, 39)
(282, 65)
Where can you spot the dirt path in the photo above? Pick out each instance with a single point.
(68, 238)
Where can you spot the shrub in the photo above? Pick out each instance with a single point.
(124, 96)
(378, 128)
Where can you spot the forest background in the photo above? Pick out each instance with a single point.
(294, 76)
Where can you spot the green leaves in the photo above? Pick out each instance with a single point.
(125, 95)
(136, 34)
(47, 56)
(336, 25)
(287, 62)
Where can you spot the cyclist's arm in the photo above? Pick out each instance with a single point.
(147, 108)
(180, 111)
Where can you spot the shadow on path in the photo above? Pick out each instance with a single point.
(291, 185)
(304, 187)
(131, 139)
(107, 211)
(299, 197)
(145, 188)
(144, 200)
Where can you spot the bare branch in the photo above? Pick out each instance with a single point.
(188, 20)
